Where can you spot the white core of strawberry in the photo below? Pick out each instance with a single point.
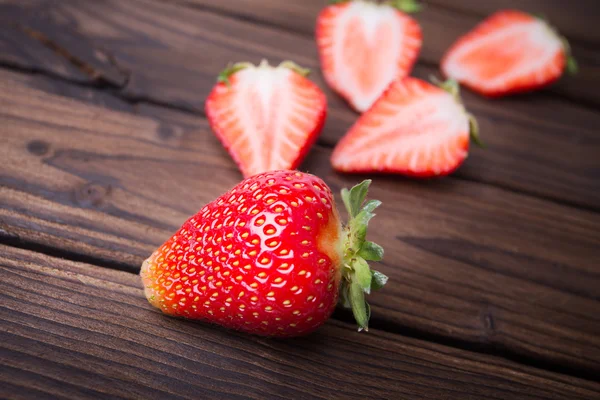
(358, 279)
(263, 86)
(375, 29)
(535, 35)
(269, 113)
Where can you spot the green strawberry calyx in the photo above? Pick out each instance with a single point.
(571, 65)
(358, 279)
(407, 6)
(231, 69)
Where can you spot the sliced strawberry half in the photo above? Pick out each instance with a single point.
(266, 117)
(364, 46)
(509, 52)
(415, 128)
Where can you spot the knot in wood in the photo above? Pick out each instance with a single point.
(91, 194)
(38, 147)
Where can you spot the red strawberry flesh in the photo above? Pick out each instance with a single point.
(364, 46)
(509, 52)
(415, 128)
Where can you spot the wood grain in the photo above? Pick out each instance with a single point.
(173, 55)
(467, 261)
(40, 47)
(73, 330)
(18, 49)
(92, 95)
(576, 20)
(443, 25)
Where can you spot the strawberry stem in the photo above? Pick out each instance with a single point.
(474, 131)
(357, 277)
(572, 66)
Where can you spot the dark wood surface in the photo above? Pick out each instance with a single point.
(576, 21)
(104, 195)
(18, 49)
(444, 23)
(105, 152)
(187, 48)
(76, 330)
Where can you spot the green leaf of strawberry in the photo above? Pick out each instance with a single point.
(362, 274)
(357, 251)
(358, 225)
(230, 70)
(359, 306)
(379, 280)
(407, 6)
(354, 198)
(371, 251)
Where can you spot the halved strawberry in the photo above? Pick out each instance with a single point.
(266, 117)
(509, 52)
(364, 46)
(415, 128)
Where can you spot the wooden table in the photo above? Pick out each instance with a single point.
(494, 272)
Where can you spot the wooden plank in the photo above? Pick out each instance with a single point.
(466, 261)
(36, 41)
(18, 49)
(532, 148)
(443, 25)
(79, 331)
(98, 97)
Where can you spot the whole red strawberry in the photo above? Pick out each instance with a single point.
(269, 257)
